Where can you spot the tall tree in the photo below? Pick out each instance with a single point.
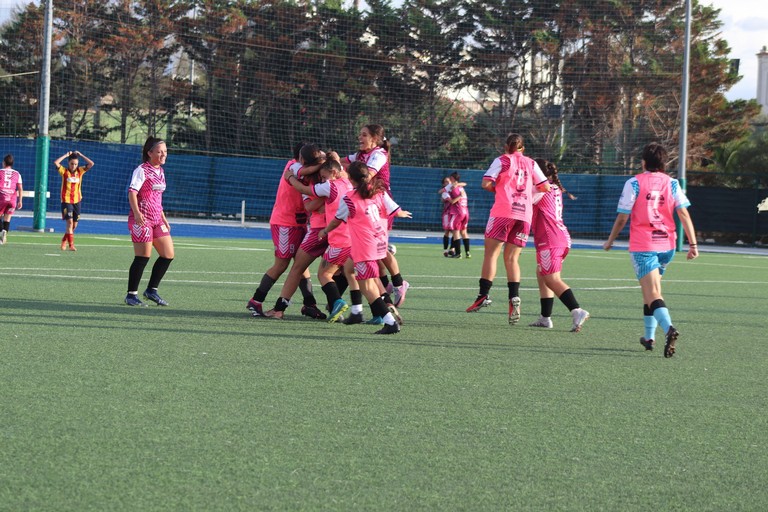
(20, 63)
(77, 81)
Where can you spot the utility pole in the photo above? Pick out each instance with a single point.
(43, 142)
(683, 153)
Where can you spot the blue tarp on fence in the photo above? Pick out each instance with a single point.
(204, 186)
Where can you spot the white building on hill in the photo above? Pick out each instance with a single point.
(762, 79)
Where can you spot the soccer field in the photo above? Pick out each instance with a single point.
(198, 406)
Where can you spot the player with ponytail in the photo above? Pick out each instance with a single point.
(513, 179)
(147, 223)
(374, 151)
(365, 209)
(552, 242)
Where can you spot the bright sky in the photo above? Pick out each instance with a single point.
(745, 27)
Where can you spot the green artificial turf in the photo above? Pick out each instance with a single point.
(198, 406)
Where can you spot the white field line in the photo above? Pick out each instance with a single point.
(41, 273)
(176, 243)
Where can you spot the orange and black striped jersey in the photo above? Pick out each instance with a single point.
(71, 184)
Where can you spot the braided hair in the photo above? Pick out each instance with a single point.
(550, 171)
(364, 184)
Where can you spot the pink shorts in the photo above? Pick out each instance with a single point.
(511, 231)
(464, 223)
(550, 260)
(455, 221)
(366, 270)
(312, 245)
(287, 240)
(337, 255)
(8, 207)
(148, 232)
(447, 221)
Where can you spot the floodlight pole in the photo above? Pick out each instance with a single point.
(43, 143)
(683, 153)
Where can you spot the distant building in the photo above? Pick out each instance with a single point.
(762, 79)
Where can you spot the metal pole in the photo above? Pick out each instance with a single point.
(684, 113)
(43, 143)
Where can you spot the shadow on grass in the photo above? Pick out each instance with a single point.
(93, 317)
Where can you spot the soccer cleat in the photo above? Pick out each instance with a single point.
(255, 308)
(455, 255)
(543, 321)
(389, 329)
(647, 344)
(395, 313)
(354, 318)
(339, 307)
(514, 310)
(3, 237)
(400, 293)
(133, 300)
(376, 320)
(273, 313)
(669, 346)
(72, 247)
(313, 312)
(468, 255)
(481, 301)
(579, 317)
(154, 297)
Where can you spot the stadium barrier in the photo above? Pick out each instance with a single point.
(244, 188)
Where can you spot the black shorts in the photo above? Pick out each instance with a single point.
(70, 211)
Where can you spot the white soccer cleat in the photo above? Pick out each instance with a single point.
(514, 310)
(579, 317)
(543, 321)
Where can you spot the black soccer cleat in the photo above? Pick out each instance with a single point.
(389, 329)
(313, 312)
(669, 347)
(354, 318)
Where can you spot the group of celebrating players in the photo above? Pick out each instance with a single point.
(348, 205)
(350, 209)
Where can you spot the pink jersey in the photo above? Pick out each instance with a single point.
(376, 159)
(367, 220)
(516, 177)
(549, 231)
(460, 208)
(650, 199)
(289, 206)
(148, 183)
(334, 191)
(316, 217)
(10, 179)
